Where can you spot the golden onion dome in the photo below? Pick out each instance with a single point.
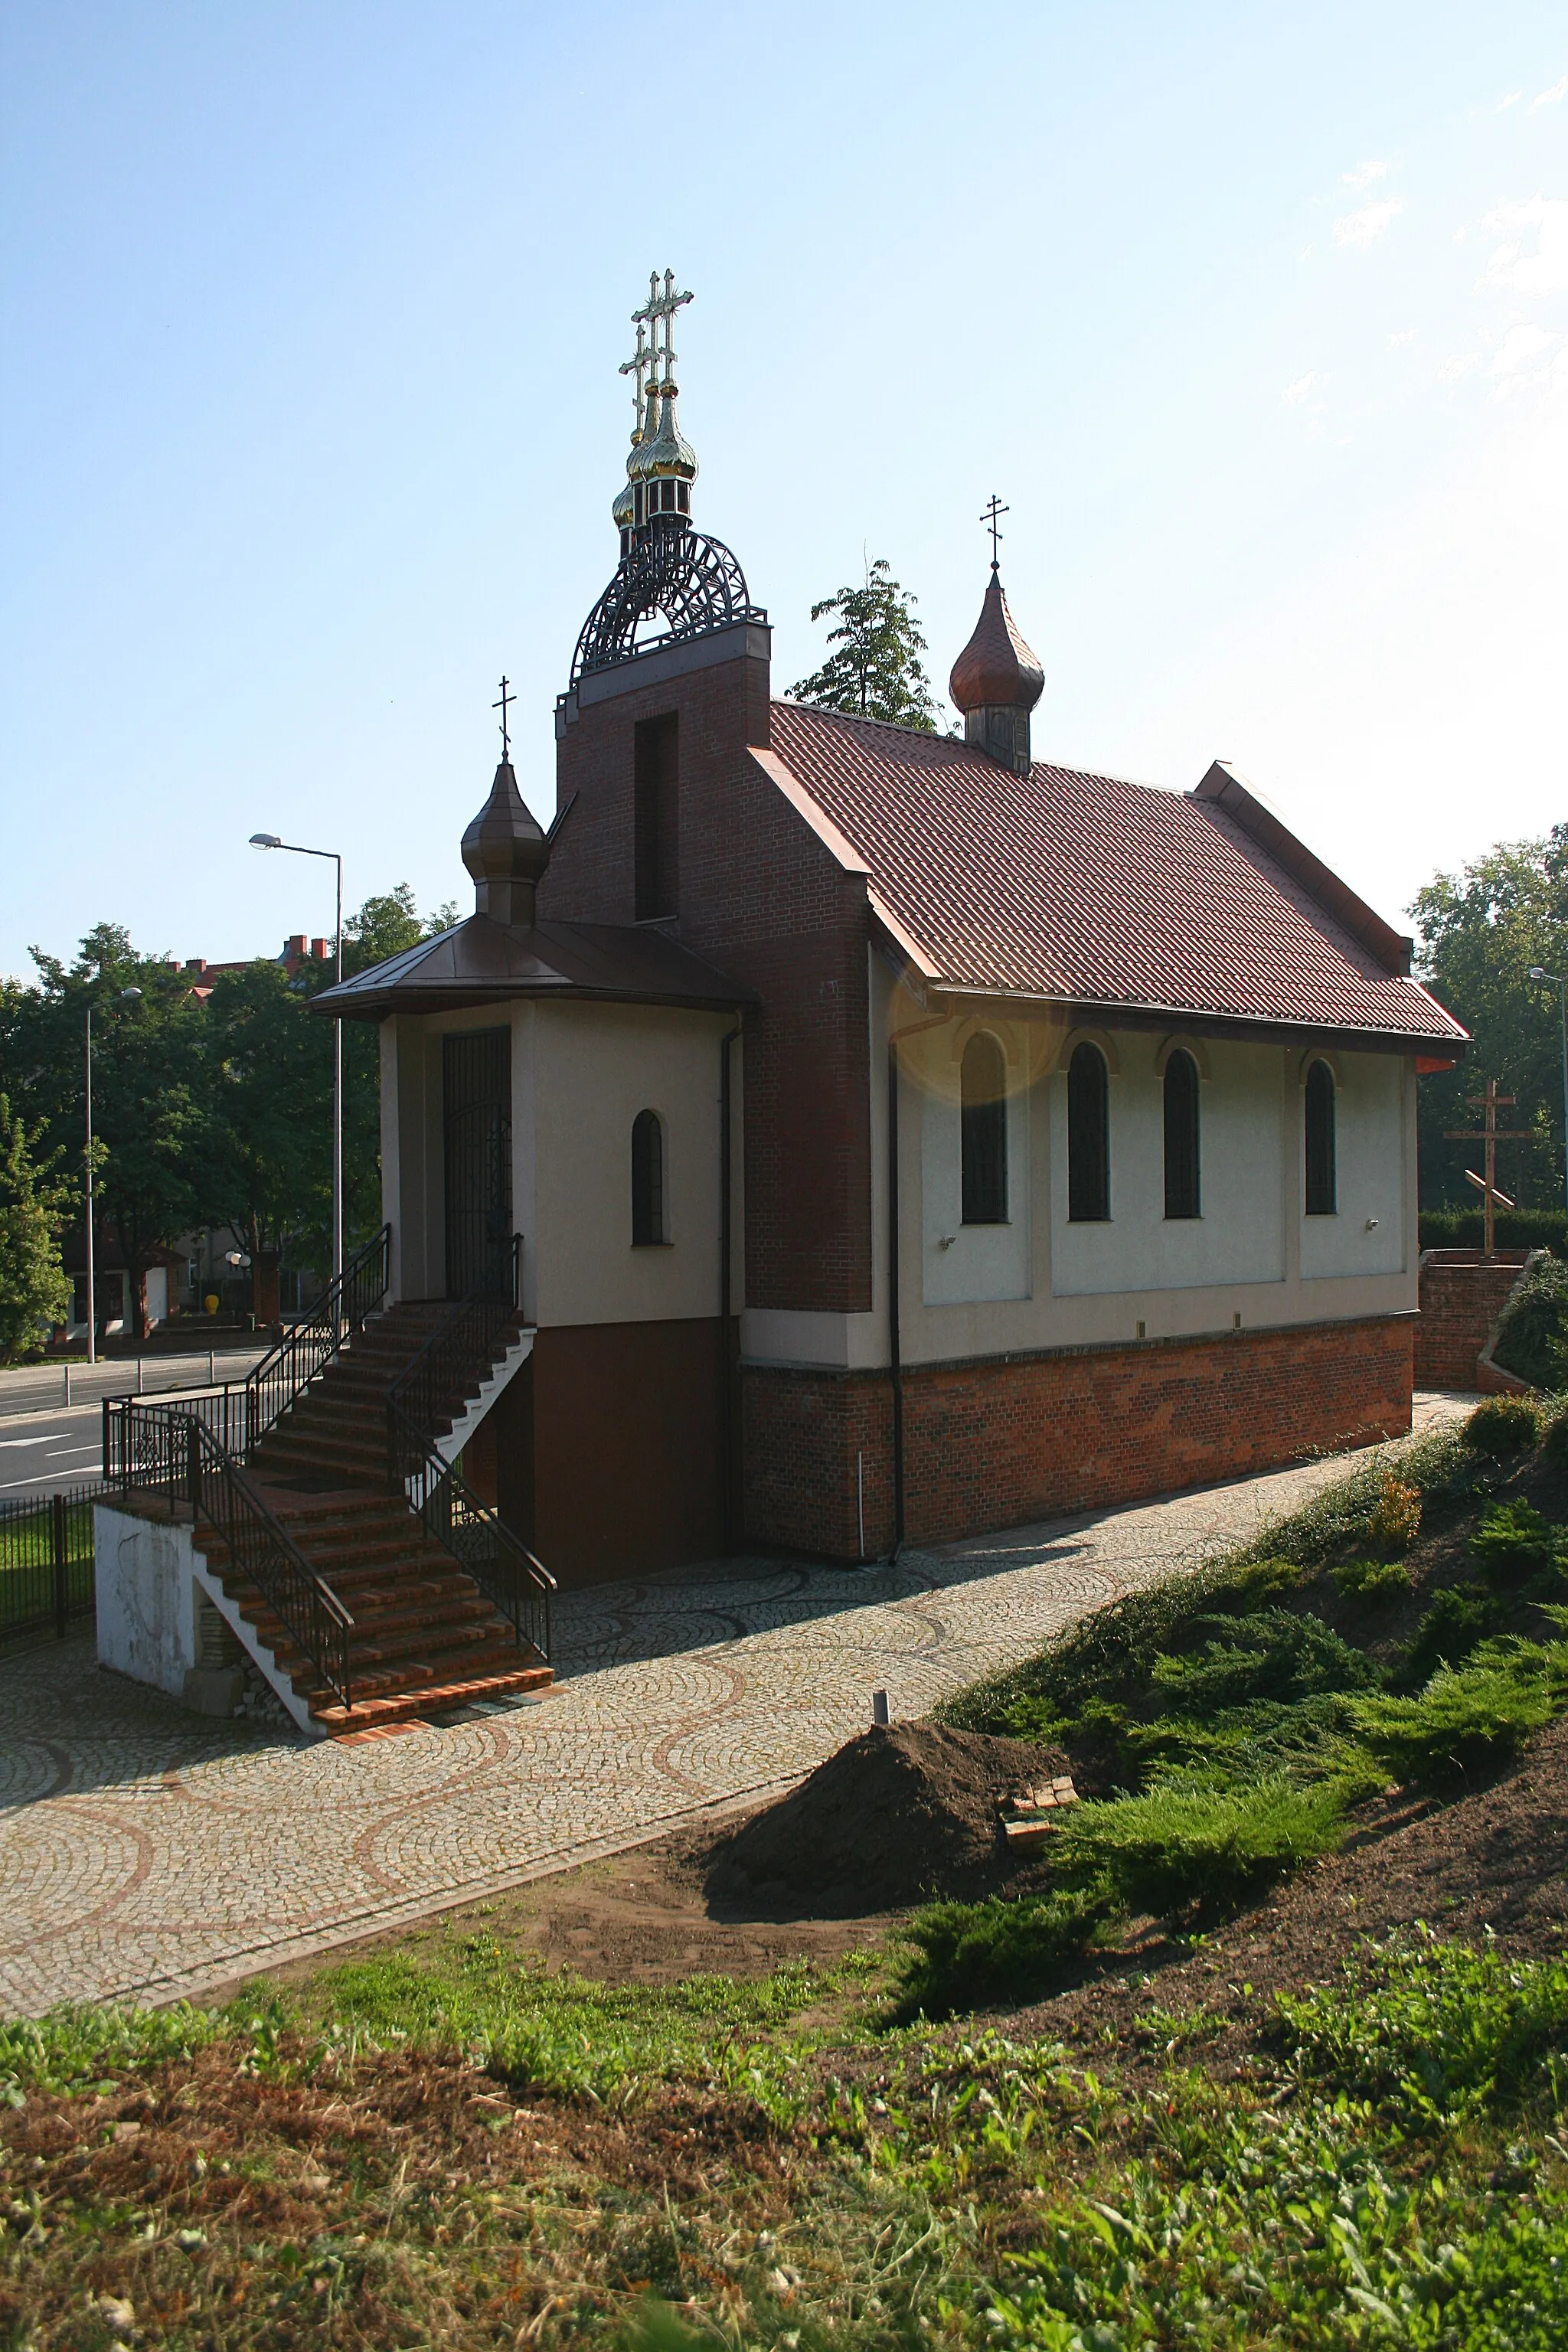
(663, 453)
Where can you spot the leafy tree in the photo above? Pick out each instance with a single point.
(1477, 934)
(35, 1289)
(877, 671)
(268, 1171)
(147, 1087)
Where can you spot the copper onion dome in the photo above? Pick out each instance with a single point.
(997, 670)
(506, 851)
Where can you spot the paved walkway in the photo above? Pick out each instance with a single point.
(147, 1851)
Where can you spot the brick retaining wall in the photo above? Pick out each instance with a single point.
(1462, 1295)
(997, 1444)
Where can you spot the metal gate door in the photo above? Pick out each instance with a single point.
(477, 1087)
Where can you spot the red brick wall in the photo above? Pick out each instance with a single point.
(997, 1444)
(762, 899)
(1461, 1298)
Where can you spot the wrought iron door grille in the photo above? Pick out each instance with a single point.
(477, 1090)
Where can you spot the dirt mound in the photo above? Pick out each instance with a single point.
(897, 1815)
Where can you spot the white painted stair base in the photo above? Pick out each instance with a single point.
(510, 1364)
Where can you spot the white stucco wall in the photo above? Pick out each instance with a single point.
(1367, 1233)
(1240, 1237)
(146, 1591)
(959, 1261)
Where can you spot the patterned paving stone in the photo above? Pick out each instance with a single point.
(147, 1853)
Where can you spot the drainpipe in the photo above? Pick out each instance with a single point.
(726, 1376)
(895, 1356)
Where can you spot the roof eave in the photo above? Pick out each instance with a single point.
(1089, 1011)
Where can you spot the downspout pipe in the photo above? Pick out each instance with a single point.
(726, 1367)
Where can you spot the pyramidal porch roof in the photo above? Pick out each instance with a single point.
(482, 962)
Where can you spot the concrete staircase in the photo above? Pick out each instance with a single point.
(424, 1637)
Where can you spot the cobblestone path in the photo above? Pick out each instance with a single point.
(145, 1852)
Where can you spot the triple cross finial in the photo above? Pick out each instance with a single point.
(653, 361)
(506, 696)
(992, 518)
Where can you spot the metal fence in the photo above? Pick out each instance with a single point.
(46, 1558)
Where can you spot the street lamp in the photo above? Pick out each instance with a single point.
(297, 849)
(127, 996)
(1552, 980)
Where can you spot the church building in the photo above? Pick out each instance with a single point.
(907, 1136)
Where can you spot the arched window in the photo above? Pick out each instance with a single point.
(1089, 1137)
(648, 1180)
(1183, 1187)
(1323, 1184)
(983, 1124)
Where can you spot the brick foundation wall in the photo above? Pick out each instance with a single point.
(1461, 1297)
(999, 1444)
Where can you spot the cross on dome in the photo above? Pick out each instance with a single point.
(991, 518)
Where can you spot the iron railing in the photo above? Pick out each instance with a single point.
(477, 1539)
(166, 1449)
(47, 1559)
(480, 1328)
(309, 1346)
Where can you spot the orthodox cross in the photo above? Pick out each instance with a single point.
(501, 706)
(991, 519)
(1491, 1135)
(659, 311)
(638, 365)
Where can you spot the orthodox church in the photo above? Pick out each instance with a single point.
(904, 1136)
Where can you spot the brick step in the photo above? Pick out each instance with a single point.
(359, 1464)
(370, 1714)
(432, 1668)
(401, 1649)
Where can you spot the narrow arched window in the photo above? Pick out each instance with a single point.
(648, 1180)
(1321, 1177)
(984, 1140)
(1089, 1137)
(1183, 1194)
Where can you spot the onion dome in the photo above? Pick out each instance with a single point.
(997, 682)
(996, 668)
(663, 453)
(506, 851)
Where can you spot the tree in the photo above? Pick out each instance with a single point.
(35, 1290)
(877, 671)
(1477, 934)
(267, 1172)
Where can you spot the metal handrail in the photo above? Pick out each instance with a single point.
(465, 1340)
(477, 1539)
(308, 1347)
(166, 1447)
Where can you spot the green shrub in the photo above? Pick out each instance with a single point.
(1555, 1445)
(1440, 2031)
(1373, 1581)
(1503, 1425)
(1534, 1328)
(1465, 1718)
(1514, 1541)
(970, 1953)
(1275, 1654)
(1183, 1848)
(1460, 1618)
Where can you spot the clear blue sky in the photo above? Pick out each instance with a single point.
(311, 316)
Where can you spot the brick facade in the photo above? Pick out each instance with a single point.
(1461, 1298)
(1000, 1444)
(761, 898)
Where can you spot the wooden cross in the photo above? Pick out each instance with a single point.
(501, 706)
(1491, 1135)
(990, 518)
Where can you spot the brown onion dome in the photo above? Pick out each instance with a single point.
(997, 670)
(506, 851)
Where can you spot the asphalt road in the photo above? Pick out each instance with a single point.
(41, 1451)
(44, 1446)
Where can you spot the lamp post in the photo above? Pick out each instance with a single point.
(127, 996)
(297, 849)
(1553, 980)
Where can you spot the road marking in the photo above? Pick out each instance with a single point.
(9, 1442)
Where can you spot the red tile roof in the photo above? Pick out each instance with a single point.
(1089, 891)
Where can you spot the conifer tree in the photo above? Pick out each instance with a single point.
(35, 1290)
(876, 672)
